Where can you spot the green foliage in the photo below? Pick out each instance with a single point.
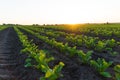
(114, 53)
(117, 72)
(117, 33)
(72, 51)
(53, 74)
(111, 43)
(73, 40)
(79, 42)
(101, 65)
(28, 62)
(106, 74)
(51, 34)
(40, 58)
(90, 42)
(100, 46)
(42, 61)
(85, 57)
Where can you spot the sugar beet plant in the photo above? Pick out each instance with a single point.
(71, 51)
(85, 57)
(101, 65)
(92, 43)
(81, 40)
(40, 58)
(2, 27)
(117, 72)
(45, 32)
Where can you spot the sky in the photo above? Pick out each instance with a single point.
(59, 11)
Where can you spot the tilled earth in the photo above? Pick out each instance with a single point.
(73, 70)
(11, 60)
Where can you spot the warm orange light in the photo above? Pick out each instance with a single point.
(73, 27)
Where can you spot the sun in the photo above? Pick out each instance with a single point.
(73, 27)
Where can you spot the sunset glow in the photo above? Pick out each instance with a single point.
(59, 11)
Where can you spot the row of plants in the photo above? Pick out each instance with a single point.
(93, 43)
(44, 31)
(39, 59)
(86, 58)
(50, 33)
(106, 30)
(59, 45)
(2, 27)
(81, 40)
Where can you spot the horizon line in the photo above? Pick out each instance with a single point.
(62, 23)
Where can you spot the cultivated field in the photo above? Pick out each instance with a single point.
(60, 52)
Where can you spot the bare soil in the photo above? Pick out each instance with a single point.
(11, 60)
(74, 69)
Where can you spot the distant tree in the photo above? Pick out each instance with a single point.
(107, 23)
(3, 24)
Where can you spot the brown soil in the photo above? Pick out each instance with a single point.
(73, 69)
(11, 60)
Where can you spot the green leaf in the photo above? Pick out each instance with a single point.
(49, 73)
(28, 60)
(57, 69)
(42, 78)
(100, 65)
(117, 76)
(28, 65)
(44, 68)
(85, 57)
(106, 74)
(94, 64)
(47, 60)
(117, 68)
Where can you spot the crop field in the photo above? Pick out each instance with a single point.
(60, 52)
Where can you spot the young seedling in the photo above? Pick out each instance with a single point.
(85, 57)
(28, 62)
(53, 74)
(72, 51)
(101, 65)
(117, 72)
(111, 43)
(100, 46)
